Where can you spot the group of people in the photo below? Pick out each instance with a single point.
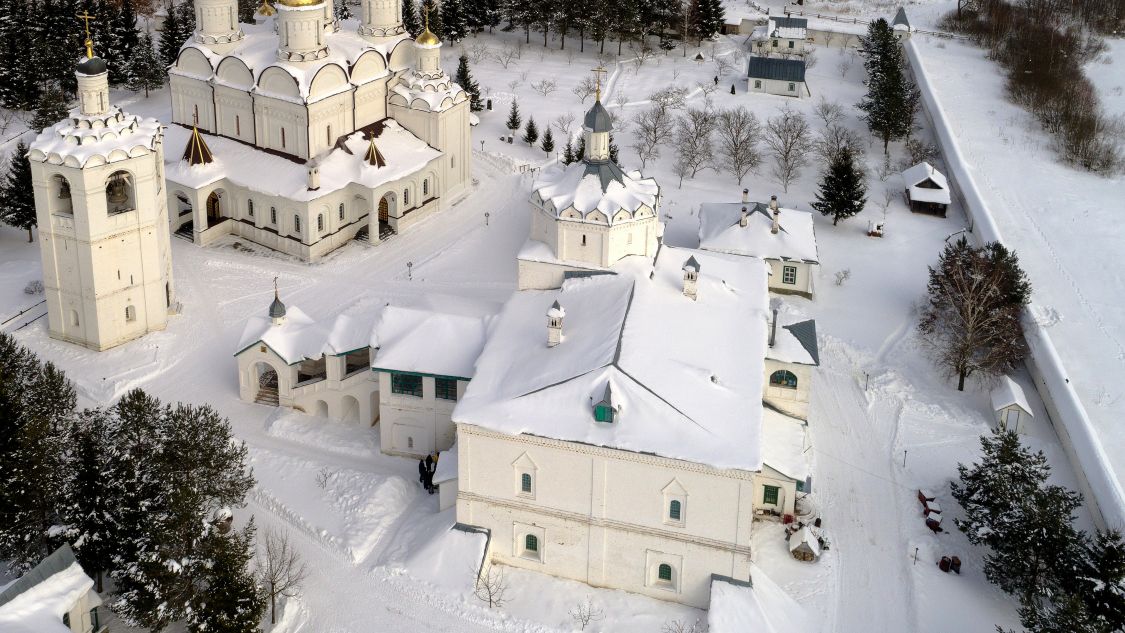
(426, 469)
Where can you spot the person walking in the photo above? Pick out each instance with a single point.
(422, 470)
(430, 466)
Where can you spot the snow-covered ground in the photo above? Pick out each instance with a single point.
(379, 550)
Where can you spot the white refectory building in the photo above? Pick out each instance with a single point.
(317, 129)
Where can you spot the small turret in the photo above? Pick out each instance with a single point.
(554, 324)
(744, 218)
(775, 214)
(93, 79)
(691, 278)
(277, 308)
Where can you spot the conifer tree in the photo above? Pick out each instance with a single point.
(548, 143)
(170, 38)
(145, 70)
(1101, 581)
(580, 151)
(432, 11)
(53, 107)
(341, 9)
(97, 493)
(410, 20)
(453, 20)
(465, 79)
(126, 38)
(531, 132)
(247, 9)
(568, 153)
(842, 190)
(892, 99)
(230, 599)
(514, 119)
(17, 193)
(612, 150)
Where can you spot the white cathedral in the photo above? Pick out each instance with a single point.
(307, 134)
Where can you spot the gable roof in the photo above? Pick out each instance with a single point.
(776, 68)
(920, 173)
(36, 602)
(1009, 393)
(426, 342)
(696, 398)
(786, 27)
(719, 231)
(900, 19)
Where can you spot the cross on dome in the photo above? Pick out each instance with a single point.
(427, 38)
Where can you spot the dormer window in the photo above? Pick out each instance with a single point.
(605, 410)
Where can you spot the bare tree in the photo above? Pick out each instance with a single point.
(563, 123)
(844, 65)
(835, 139)
(515, 83)
(723, 64)
(694, 129)
(652, 127)
(479, 52)
(642, 54)
(918, 151)
(280, 570)
(810, 58)
(739, 131)
(828, 111)
(585, 88)
(829, 36)
(787, 136)
(545, 86)
(491, 586)
(507, 55)
(708, 88)
(586, 612)
(670, 98)
(683, 626)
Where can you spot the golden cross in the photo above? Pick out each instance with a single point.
(598, 72)
(85, 16)
(426, 14)
(275, 287)
(195, 118)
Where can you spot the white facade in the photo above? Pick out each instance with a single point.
(300, 88)
(416, 420)
(100, 207)
(778, 87)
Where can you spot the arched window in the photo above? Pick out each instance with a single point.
(130, 313)
(273, 215)
(425, 188)
(250, 208)
(74, 318)
(783, 378)
(531, 543)
(341, 211)
(282, 137)
(60, 198)
(120, 196)
(405, 197)
(320, 223)
(409, 442)
(674, 510)
(583, 240)
(296, 224)
(525, 482)
(664, 572)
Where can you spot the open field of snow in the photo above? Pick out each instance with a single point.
(882, 423)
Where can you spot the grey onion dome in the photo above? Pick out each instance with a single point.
(598, 119)
(92, 66)
(277, 308)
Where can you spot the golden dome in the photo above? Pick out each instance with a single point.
(301, 3)
(427, 38)
(266, 8)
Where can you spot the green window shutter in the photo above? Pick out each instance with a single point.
(770, 495)
(525, 482)
(603, 413)
(664, 572)
(531, 543)
(674, 510)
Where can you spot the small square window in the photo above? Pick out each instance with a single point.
(525, 483)
(770, 495)
(445, 388)
(790, 43)
(406, 384)
(674, 510)
(789, 275)
(758, 84)
(664, 572)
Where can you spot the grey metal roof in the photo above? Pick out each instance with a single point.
(92, 66)
(691, 264)
(606, 170)
(790, 23)
(776, 68)
(277, 308)
(59, 561)
(598, 119)
(805, 333)
(900, 18)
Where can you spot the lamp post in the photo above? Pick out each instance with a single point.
(482, 146)
(486, 214)
(410, 271)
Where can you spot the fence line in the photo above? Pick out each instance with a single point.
(1100, 486)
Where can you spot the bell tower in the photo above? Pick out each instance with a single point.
(103, 222)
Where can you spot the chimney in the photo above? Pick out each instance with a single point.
(745, 196)
(314, 175)
(773, 327)
(691, 278)
(744, 219)
(554, 324)
(776, 209)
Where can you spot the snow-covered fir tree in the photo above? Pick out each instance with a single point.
(464, 78)
(247, 9)
(514, 120)
(892, 99)
(229, 598)
(843, 192)
(453, 20)
(548, 144)
(568, 153)
(145, 70)
(17, 194)
(531, 132)
(410, 20)
(341, 9)
(431, 10)
(53, 107)
(127, 39)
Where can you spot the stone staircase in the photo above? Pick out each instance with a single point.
(267, 396)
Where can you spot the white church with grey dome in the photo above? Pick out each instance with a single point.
(315, 131)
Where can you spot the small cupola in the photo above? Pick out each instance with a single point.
(313, 170)
(605, 410)
(744, 218)
(691, 278)
(554, 324)
(775, 213)
(197, 152)
(373, 156)
(277, 308)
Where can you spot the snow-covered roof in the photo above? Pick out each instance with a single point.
(37, 601)
(446, 469)
(96, 139)
(427, 342)
(788, 28)
(794, 341)
(920, 173)
(900, 22)
(805, 536)
(257, 50)
(758, 606)
(298, 338)
(686, 375)
(247, 166)
(719, 230)
(595, 192)
(784, 444)
(1009, 393)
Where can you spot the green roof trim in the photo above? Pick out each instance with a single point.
(418, 373)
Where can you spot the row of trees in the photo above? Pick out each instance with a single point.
(892, 99)
(139, 490)
(1065, 579)
(623, 21)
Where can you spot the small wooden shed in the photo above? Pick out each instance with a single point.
(1009, 403)
(804, 545)
(927, 190)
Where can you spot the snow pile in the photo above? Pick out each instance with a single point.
(719, 231)
(450, 559)
(695, 396)
(784, 444)
(761, 607)
(446, 465)
(427, 342)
